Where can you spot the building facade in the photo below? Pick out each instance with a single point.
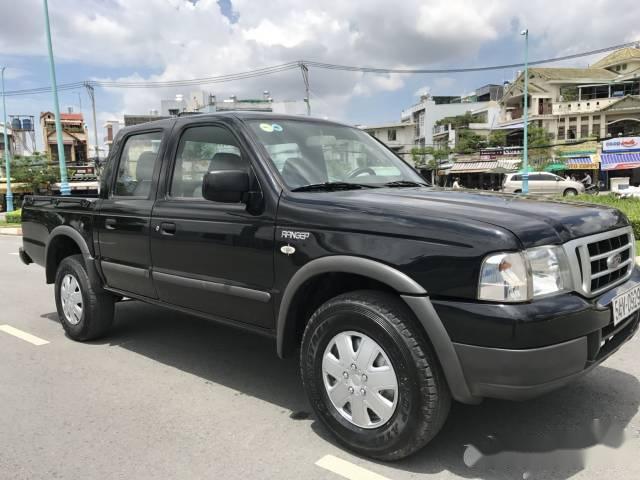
(74, 136)
(2, 145)
(398, 136)
(430, 109)
(111, 128)
(600, 101)
(484, 120)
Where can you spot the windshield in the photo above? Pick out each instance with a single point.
(311, 153)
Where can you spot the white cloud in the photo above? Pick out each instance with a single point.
(179, 39)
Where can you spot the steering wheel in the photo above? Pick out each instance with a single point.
(361, 170)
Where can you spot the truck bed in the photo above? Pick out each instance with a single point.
(42, 213)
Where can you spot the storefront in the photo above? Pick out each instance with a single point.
(621, 161)
(482, 174)
(578, 160)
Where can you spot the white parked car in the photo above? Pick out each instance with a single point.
(542, 183)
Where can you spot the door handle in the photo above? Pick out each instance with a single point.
(110, 224)
(168, 228)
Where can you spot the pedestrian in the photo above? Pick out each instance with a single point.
(456, 184)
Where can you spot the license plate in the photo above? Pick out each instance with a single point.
(625, 304)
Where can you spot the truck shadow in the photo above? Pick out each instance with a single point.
(542, 438)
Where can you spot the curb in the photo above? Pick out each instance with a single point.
(10, 230)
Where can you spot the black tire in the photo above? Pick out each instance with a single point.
(517, 191)
(97, 307)
(570, 192)
(424, 398)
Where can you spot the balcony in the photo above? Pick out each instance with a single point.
(441, 129)
(582, 106)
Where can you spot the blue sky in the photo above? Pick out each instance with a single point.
(179, 39)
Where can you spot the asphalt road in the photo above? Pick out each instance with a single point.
(171, 396)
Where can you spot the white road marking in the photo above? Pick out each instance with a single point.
(347, 469)
(27, 337)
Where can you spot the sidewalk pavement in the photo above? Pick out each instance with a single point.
(11, 230)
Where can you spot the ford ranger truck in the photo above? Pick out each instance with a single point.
(397, 296)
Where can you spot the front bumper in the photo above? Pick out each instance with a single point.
(579, 335)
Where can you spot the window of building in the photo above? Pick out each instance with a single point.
(391, 135)
(624, 66)
(561, 132)
(573, 119)
(571, 132)
(137, 162)
(617, 68)
(201, 150)
(595, 129)
(584, 130)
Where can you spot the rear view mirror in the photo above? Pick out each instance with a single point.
(228, 186)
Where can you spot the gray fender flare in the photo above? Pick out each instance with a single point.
(410, 291)
(89, 261)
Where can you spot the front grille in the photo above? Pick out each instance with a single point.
(603, 260)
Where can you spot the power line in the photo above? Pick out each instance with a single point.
(259, 72)
(331, 66)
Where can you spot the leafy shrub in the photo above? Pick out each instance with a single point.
(14, 217)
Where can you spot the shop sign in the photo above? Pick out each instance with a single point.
(621, 144)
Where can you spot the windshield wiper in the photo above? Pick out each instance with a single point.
(405, 183)
(329, 186)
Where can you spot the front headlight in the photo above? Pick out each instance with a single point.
(549, 270)
(521, 276)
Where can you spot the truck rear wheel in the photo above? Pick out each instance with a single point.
(84, 313)
(371, 375)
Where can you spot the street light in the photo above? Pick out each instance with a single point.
(7, 162)
(64, 184)
(525, 153)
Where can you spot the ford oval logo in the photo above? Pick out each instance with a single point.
(614, 261)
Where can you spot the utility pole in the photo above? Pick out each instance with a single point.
(305, 79)
(525, 153)
(92, 96)
(7, 159)
(64, 184)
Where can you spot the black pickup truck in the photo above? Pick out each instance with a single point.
(398, 296)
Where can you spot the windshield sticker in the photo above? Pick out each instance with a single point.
(271, 127)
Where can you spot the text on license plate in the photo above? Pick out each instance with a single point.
(625, 304)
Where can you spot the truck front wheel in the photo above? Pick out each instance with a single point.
(371, 375)
(84, 313)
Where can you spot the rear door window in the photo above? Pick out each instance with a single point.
(138, 161)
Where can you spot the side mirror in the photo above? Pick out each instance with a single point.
(227, 186)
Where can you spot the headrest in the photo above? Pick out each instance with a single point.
(144, 168)
(228, 161)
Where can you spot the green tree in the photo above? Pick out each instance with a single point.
(36, 171)
(469, 142)
(420, 155)
(540, 146)
(497, 138)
